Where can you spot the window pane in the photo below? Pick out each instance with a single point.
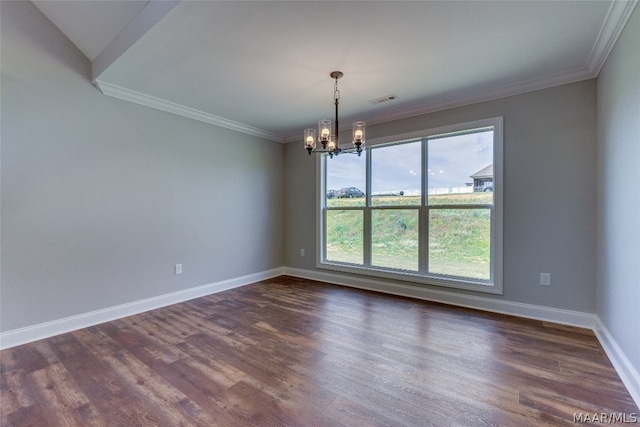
(460, 169)
(346, 181)
(460, 242)
(395, 174)
(394, 240)
(345, 236)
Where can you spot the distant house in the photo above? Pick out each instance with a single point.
(483, 179)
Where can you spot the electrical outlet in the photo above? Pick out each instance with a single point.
(545, 279)
(178, 269)
(301, 252)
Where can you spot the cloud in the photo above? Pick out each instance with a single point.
(451, 162)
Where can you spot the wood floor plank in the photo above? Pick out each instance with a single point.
(155, 338)
(155, 394)
(133, 414)
(61, 399)
(96, 342)
(345, 412)
(15, 391)
(35, 356)
(215, 369)
(29, 416)
(203, 391)
(296, 352)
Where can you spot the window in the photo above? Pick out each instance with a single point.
(424, 207)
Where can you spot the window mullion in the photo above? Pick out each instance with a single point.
(423, 216)
(367, 236)
(367, 212)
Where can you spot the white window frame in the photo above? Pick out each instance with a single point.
(494, 285)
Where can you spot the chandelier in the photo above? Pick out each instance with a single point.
(327, 136)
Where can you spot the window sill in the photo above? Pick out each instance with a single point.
(407, 276)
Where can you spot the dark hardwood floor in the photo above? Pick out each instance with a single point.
(294, 352)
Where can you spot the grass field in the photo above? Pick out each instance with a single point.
(459, 239)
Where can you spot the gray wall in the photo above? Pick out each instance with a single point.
(100, 197)
(618, 247)
(549, 199)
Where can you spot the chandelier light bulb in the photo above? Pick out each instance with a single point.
(358, 136)
(309, 139)
(324, 132)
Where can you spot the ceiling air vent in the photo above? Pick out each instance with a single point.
(383, 99)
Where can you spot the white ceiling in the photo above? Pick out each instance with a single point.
(90, 25)
(263, 67)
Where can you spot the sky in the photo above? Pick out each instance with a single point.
(451, 162)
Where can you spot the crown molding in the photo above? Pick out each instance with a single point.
(617, 17)
(474, 97)
(484, 95)
(614, 23)
(171, 107)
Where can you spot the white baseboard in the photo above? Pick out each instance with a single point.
(627, 372)
(56, 327)
(556, 315)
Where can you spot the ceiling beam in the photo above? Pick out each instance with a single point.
(149, 16)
